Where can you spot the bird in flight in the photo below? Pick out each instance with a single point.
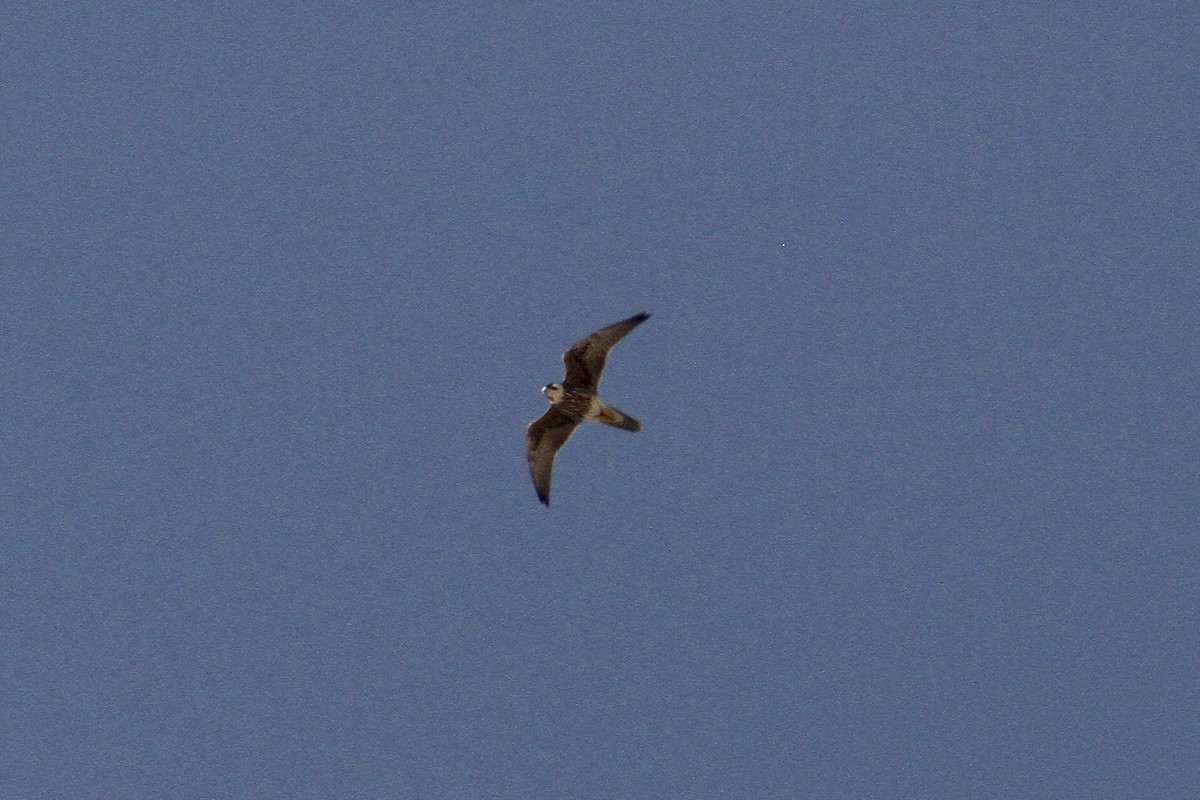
(575, 400)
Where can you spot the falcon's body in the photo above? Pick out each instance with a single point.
(575, 400)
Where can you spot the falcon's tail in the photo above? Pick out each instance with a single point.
(618, 419)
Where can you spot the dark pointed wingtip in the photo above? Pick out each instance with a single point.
(545, 501)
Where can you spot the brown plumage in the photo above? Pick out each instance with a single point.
(574, 401)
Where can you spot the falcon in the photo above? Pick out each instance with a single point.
(575, 400)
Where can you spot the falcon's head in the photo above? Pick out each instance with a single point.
(554, 391)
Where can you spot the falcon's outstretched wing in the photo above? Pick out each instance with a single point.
(585, 360)
(543, 438)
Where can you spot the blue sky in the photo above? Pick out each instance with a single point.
(914, 510)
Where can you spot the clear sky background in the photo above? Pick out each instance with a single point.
(916, 506)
